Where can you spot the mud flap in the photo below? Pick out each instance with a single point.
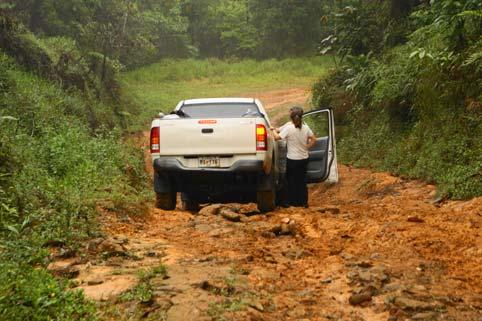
(282, 192)
(162, 183)
(266, 183)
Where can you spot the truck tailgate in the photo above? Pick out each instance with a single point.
(224, 136)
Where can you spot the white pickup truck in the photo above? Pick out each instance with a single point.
(221, 150)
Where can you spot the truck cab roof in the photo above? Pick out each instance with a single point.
(230, 100)
(218, 101)
(226, 100)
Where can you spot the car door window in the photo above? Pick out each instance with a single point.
(319, 124)
(322, 160)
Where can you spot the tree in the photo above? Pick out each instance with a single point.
(286, 27)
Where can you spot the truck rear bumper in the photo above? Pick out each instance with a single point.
(237, 183)
(170, 165)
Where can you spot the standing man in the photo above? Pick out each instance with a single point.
(299, 139)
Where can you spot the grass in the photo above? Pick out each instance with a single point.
(143, 292)
(134, 304)
(217, 310)
(56, 170)
(233, 296)
(158, 271)
(159, 87)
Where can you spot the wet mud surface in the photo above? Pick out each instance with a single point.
(373, 247)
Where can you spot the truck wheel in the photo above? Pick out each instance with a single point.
(191, 206)
(188, 204)
(266, 201)
(166, 201)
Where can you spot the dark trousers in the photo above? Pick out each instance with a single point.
(297, 185)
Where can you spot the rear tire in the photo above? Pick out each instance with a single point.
(188, 204)
(166, 201)
(266, 201)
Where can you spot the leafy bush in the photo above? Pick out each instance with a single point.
(28, 293)
(417, 104)
(62, 60)
(55, 170)
(60, 165)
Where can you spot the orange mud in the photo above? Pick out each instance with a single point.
(371, 233)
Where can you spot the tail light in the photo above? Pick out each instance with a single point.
(261, 138)
(155, 140)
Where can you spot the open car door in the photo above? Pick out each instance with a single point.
(322, 165)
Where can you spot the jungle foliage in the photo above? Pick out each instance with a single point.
(408, 86)
(62, 122)
(56, 169)
(139, 32)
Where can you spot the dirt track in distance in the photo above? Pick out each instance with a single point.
(373, 247)
(278, 102)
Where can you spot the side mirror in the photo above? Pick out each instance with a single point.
(161, 115)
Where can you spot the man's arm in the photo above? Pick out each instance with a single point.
(311, 141)
(275, 132)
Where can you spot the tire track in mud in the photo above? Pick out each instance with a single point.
(373, 247)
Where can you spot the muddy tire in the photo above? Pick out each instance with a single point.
(266, 201)
(189, 205)
(166, 201)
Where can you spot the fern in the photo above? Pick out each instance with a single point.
(472, 59)
(471, 13)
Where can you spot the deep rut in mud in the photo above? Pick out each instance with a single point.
(373, 247)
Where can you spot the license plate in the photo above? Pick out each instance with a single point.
(209, 162)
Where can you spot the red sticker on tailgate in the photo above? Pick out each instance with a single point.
(207, 121)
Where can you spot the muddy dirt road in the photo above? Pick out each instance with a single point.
(373, 247)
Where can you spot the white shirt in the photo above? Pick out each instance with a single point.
(296, 140)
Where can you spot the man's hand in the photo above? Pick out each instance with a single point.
(311, 142)
(275, 132)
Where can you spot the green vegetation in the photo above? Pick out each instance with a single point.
(138, 32)
(406, 88)
(60, 160)
(158, 271)
(253, 28)
(217, 310)
(33, 294)
(142, 292)
(159, 87)
(54, 171)
(233, 294)
(407, 91)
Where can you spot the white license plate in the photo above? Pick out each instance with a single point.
(209, 162)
